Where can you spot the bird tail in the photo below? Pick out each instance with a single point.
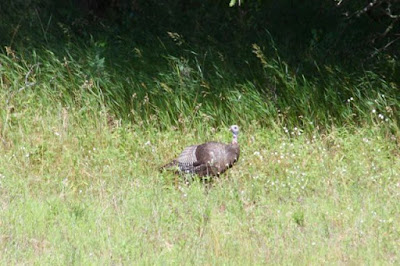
(169, 165)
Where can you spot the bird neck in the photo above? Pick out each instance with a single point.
(235, 139)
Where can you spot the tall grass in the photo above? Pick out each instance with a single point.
(171, 80)
(186, 92)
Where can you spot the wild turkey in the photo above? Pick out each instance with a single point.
(208, 159)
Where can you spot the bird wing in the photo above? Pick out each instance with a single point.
(188, 161)
(188, 155)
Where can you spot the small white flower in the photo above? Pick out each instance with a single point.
(147, 143)
(373, 111)
(258, 154)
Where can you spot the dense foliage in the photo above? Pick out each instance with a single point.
(263, 51)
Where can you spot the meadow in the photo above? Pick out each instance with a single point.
(85, 124)
(79, 186)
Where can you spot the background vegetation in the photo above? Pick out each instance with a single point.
(96, 95)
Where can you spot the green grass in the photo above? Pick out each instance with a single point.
(182, 92)
(85, 124)
(77, 188)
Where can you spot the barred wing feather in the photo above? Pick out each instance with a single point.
(187, 160)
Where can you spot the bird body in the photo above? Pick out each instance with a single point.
(208, 159)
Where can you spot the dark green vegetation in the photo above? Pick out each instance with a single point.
(183, 63)
(95, 97)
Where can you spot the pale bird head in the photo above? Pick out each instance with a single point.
(234, 129)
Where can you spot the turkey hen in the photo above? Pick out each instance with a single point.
(208, 159)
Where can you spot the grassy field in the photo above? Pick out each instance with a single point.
(86, 121)
(77, 187)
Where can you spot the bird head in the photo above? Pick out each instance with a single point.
(234, 129)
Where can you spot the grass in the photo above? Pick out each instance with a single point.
(83, 130)
(77, 189)
(182, 92)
